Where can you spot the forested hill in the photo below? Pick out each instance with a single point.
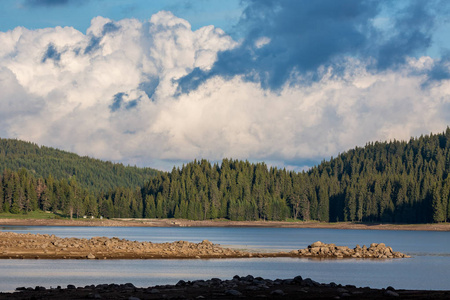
(400, 182)
(93, 174)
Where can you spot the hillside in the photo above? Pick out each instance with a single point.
(388, 182)
(395, 182)
(93, 174)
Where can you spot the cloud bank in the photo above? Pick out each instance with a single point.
(305, 82)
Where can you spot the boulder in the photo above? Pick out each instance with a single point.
(390, 293)
(316, 244)
(232, 292)
(277, 293)
(319, 249)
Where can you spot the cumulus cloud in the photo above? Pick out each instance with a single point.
(305, 35)
(114, 93)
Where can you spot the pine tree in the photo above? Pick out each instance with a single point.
(323, 203)
(150, 208)
(438, 212)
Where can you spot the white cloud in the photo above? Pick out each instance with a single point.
(66, 100)
(261, 42)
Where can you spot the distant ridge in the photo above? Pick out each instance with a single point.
(94, 174)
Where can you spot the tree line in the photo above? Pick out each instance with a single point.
(395, 182)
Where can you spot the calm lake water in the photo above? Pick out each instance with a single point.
(429, 267)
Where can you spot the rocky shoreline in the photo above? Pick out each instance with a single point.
(246, 287)
(43, 246)
(219, 223)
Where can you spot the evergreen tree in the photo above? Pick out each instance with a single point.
(438, 212)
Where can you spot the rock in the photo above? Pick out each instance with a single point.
(277, 293)
(391, 293)
(350, 286)
(316, 244)
(232, 292)
(71, 287)
(90, 256)
(181, 283)
(308, 282)
(129, 285)
(319, 249)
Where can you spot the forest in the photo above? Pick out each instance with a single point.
(94, 174)
(389, 182)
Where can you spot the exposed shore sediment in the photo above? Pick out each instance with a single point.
(219, 223)
(43, 246)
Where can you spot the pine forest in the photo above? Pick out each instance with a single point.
(389, 182)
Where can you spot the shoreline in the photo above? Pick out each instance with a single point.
(247, 287)
(218, 223)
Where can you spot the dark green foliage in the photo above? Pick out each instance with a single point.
(236, 190)
(390, 182)
(399, 182)
(94, 174)
(21, 192)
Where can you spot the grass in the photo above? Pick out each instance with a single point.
(39, 214)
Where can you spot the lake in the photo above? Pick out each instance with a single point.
(429, 267)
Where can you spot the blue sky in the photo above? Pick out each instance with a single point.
(160, 83)
(78, 13)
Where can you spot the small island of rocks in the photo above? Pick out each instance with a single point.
(43, 246)
(319, 249)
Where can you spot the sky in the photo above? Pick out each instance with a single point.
(160, 83)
